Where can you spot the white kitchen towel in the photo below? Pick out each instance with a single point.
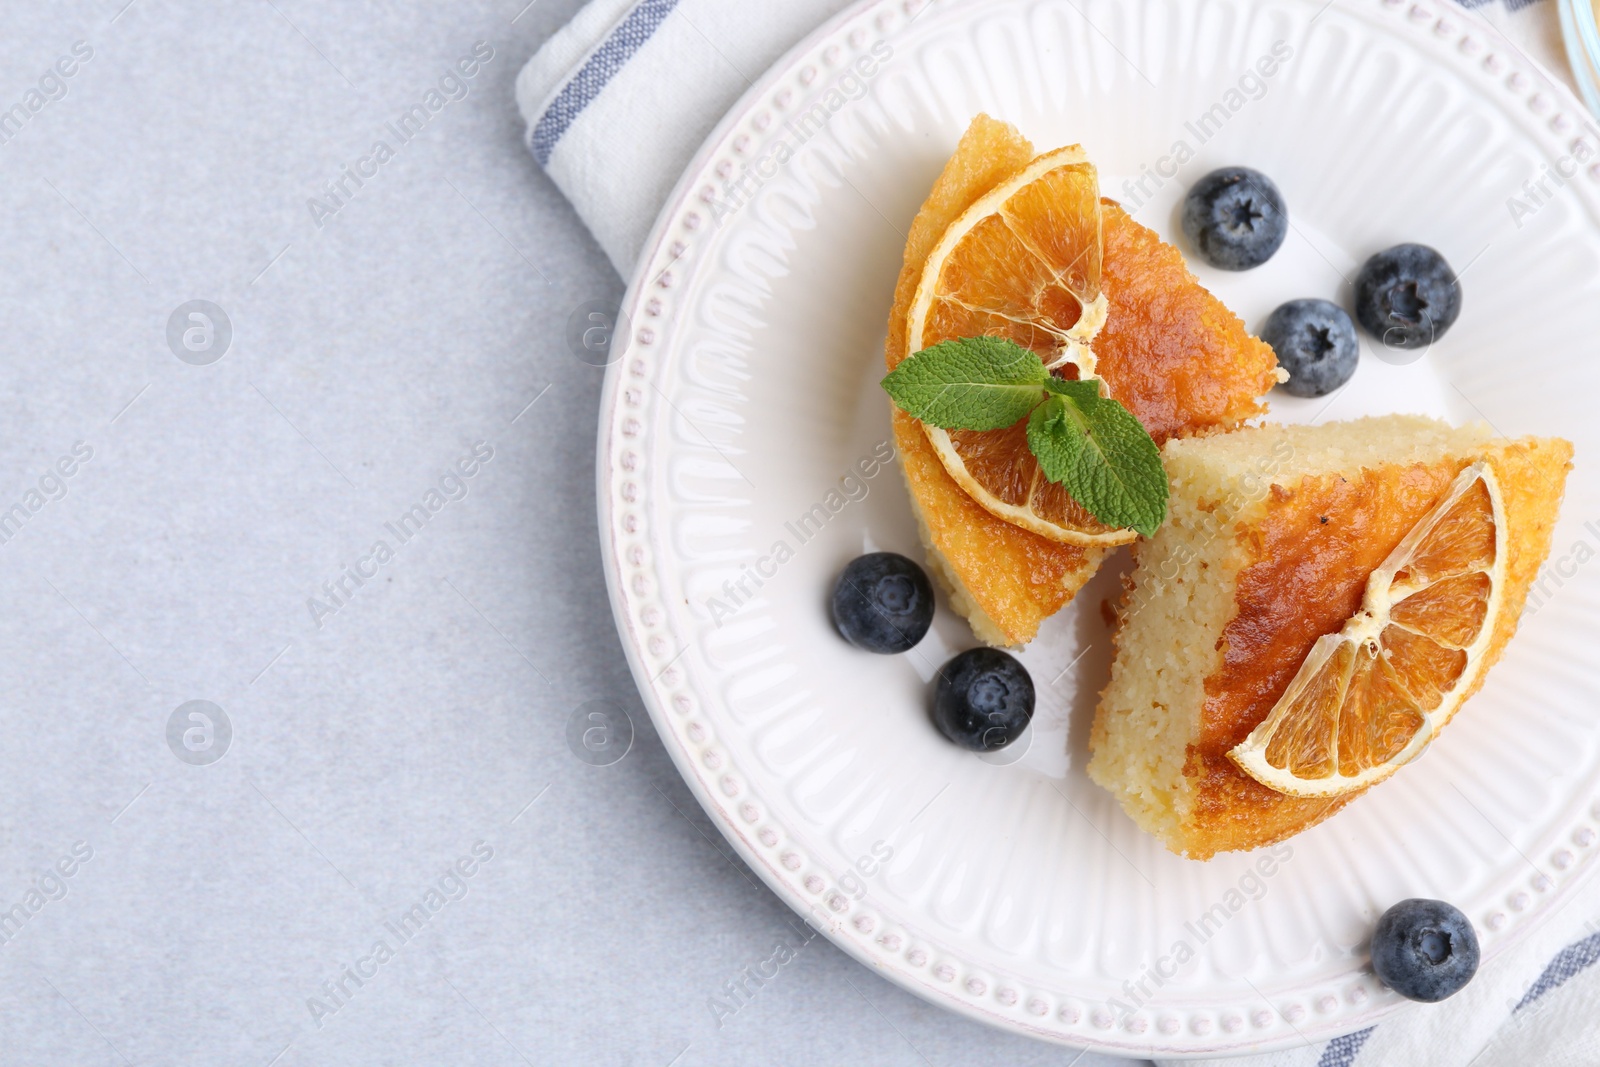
(620, 99)
(618, 102)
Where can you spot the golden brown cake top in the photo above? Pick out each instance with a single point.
(1170, 351)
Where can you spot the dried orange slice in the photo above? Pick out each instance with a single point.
(1368, 699)
(1023, 263)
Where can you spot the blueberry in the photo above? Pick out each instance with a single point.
(1425, 949)
(1407, 296)
(1315, 342)
(883, 602)
(1235, 218)
(983, 699)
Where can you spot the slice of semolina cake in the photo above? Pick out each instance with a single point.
(1169, 350)
(1272, 534)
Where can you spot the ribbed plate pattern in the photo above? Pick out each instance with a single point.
(745, 414)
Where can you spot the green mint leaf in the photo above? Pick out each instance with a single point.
(1086, 392)
(1100, 454)
(979, 383)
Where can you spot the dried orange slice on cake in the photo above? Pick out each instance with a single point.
(1169, 351)
(1022, 263)
(1368, 699)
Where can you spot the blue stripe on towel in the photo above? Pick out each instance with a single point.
(1568, 963)
(1342, 1051)
(597, 71)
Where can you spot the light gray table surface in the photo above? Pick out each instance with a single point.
(375, 742)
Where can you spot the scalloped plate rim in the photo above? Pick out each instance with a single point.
(1184, 1044)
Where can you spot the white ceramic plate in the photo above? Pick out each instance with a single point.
(1015, 890)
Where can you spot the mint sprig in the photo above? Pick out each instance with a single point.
(1089, 444)
(981, 383)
